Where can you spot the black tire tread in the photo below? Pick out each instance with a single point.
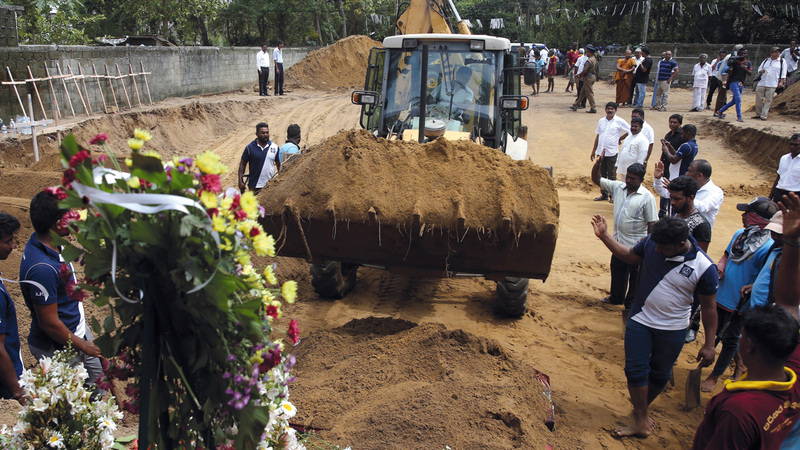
(332, 279)
(512, 296)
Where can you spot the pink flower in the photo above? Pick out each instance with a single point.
(69, 217)
(79, 158)
(75, 292)
(210, 182)
(100, 159)
(57, 191)
(294, 331)
(68, 178)
(239, 214)
(64, 272)
(99, 139)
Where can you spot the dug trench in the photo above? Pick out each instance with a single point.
(401, 374)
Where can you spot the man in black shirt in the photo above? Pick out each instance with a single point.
(641, 77)
(738, 70)
(674, 137)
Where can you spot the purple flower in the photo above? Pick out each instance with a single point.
(226, 375)
(187, 161)
(181, 169)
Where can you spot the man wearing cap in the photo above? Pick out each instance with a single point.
(572, 57)
(588, 76)
(641, 77)
(788, 179)
(773, 76)
(739, 265)
(761, 290)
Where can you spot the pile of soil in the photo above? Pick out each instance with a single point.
(444, 182)
(339, 65)
(788, 102)
(408, 386)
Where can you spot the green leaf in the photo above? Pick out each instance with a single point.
(182, 181)
(109, 324)
(189, 223)
(149, 168)
(144, 231)
(125, 439)
(69, 146)
(96, 328)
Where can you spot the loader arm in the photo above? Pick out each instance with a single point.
(429, 16)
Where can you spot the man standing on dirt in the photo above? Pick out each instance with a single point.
(647, 132)
(633, 148)
(277, 56)
(792, 56)
(10, 359)
(709, 197)
(260, 155)
(788, 179)
(57, 315)
(773, 76)
(588, 76)
(634, 215)
(715, 81)
(641, 77)
(667, 71)
(610, 131)
(673, 270)
(262, 63)
(572, 58)
(292, 145)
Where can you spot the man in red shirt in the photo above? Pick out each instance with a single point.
(572, 57)
(760, 409)
(552, 67)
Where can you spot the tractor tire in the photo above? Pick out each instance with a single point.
(512, 297)
(332, 279)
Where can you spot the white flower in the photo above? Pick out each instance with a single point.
(56, 440)
(288, 410)
(45, 363)
(263, 445)
(106, 423)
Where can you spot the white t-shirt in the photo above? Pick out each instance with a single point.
(708, 201)
(262, 59)
(579, 63)
(633, 150)
(791, 63)
(701, 75)
(789, 170)
(775, 71)
(609, 132)
(648, 132)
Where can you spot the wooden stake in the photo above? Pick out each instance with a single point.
(78, 87)
(100, 88)
(36, 90)
(16, 91)
(145, 83)
(56, 111)
(116, 105)
(122, 80)
(33, 131)
(83, 82)
(66, 91)
(135, 88)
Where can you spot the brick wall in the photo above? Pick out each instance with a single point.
(175, 72)
(8, 25)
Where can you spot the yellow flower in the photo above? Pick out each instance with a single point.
(84, 213)
(269, 274)
(209, 199)
(225, 203)
(218, 223)
(142, 135)
(249, 204)
(224, 243)
(208, 162)
(256, 359)
(135, 144)
(128, 162)
(134, 183)
(264, 245)
(289, 291)
(243, 258)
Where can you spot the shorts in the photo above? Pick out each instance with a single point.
(650, 354)
(550, 76)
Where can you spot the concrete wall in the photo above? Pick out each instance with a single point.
(8, 25)
(687, 56)
(175, 72)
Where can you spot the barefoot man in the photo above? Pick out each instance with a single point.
(673, 269)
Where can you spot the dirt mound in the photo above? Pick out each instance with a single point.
(418, 386)
(340, 65)
(353, 174)
(761, 148)
(788, 102)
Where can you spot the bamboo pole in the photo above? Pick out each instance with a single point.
(56, 110)
(113, 94)
(100, 88)
(78, 87)
(33, 131)
(16, 91)
(66, 91)
(86, 91)
(150, 99)
(36, 90)
(135, 88)
(121, 78)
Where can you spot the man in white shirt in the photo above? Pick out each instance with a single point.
(647, 132)
(791, 55)
(788, 179)
(715, 81)
(709, 197)
(277, 56)
(701, 74)
(262, 64)
(633, 150)
(773, 75)
(578, 69)
(611, 130)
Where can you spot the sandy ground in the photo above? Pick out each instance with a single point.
(567, 333)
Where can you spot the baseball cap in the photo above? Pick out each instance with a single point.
(589, 48)
(776, 223)
(774, 49)
(762, 206)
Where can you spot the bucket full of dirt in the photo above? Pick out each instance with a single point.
(426, 209)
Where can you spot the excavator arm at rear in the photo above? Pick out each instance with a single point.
(430, 16)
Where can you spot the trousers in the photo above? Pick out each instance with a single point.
(263, 79)
(587, 93)
(624, 279)
(764, 100)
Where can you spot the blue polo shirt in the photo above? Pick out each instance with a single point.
(42, 264)
(760, 294)
(664, 296)
(8, 326)
(740, 274)
(665, 69)
(687, 152)
(261, 161)
(287, 149)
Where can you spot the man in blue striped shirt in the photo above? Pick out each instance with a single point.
(667, 71)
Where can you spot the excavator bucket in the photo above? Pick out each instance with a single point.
(435, 209)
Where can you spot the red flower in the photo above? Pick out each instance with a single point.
(212, 212)
(210, 182)
(254, 232)
(75, 292)
(271, 359)
(68, 178)
(272, 311)
(64, 272)
(100, 159)
(239, 214)
(57, 191)
(79, 158)
(68, 217)
(294, 331)
(99, 138)
(235, 203)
